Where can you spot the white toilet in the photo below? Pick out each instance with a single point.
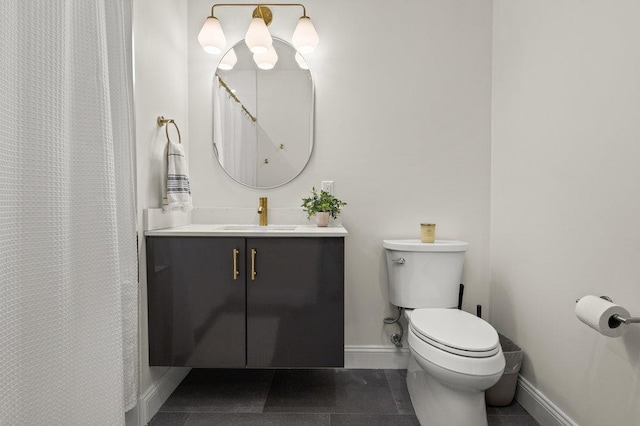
(454, 356)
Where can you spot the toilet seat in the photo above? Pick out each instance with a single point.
(455, 331)
(465, 365)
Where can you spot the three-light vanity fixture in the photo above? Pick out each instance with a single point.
(258, 39)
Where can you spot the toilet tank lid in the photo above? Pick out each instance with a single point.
(417, 245)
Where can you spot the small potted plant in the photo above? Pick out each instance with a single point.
(322, 206)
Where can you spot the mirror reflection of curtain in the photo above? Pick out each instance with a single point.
(235, 137)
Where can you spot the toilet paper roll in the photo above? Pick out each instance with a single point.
(597, 313)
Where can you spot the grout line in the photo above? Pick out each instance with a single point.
(266, 398)
(355, 413)
(513, 417)
(393, 394)
(187, 419)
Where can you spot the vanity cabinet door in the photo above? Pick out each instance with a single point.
(295, 302)
(196, 302)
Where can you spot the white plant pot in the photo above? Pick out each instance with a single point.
(322, 218)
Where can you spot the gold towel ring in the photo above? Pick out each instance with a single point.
(165, 122)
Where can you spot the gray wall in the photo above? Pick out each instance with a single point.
(160, 88)
(565, 196)
(403, 103)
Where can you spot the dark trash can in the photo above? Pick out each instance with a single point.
(502, 393)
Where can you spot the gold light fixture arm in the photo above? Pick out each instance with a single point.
(258, 7)
(258, 39)
(264, 13)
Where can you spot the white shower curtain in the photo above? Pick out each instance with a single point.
(68, 288)
(235, 137)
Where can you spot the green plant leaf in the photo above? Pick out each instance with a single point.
(323, 202)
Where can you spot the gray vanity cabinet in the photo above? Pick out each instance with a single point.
(295, 302)
(283, 308)
(196, 307)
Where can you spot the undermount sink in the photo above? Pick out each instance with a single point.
(259, 228)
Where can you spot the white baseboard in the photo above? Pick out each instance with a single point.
(539, 406)
(132, 417)
(151, 401)
(376, 357)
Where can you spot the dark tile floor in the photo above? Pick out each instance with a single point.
(328, 397)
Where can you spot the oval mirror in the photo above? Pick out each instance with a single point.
(263, 118)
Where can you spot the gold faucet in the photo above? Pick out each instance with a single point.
(262, 211)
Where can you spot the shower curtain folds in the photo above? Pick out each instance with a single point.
(68, 288)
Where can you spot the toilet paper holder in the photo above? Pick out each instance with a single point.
(616, 319)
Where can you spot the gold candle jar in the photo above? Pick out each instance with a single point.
(427, 232)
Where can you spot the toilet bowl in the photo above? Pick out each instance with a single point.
(454, 356)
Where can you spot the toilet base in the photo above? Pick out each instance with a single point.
(438, 405)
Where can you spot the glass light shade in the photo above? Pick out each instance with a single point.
(301, 62)
(211, 37)
(305, 38)
(228, 60)
(266, 60)
(258, 38)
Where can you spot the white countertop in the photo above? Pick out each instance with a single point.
(219, 230)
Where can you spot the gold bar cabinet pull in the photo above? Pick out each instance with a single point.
(253, 264)
(235, 264)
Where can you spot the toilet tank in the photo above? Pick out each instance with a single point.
(424, 275)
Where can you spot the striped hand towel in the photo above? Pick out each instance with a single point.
(178, 196)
